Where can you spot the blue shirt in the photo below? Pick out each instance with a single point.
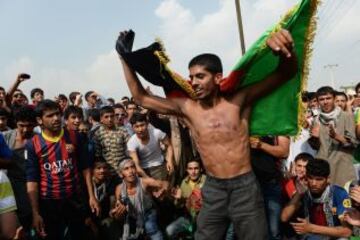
(5, 151)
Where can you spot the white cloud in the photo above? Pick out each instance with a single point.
(187, 34)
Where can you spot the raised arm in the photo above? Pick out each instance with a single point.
(281, 43)
(143, 98)
(19, 79)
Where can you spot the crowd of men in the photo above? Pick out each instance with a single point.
(107, 169)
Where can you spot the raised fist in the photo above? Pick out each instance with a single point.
(125, 42)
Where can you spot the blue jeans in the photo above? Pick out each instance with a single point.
(272, 199)
(151, 225)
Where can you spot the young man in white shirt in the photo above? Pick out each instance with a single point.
(145, 149)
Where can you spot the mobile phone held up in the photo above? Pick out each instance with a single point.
(25, 76)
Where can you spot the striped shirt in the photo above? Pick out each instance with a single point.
(54, 165)
(110, 145)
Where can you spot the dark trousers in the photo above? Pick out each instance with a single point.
(65, 214)
(236, 200)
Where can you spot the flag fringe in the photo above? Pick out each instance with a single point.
(308, 51)
(164, 60)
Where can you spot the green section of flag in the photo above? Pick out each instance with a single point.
(277, 114)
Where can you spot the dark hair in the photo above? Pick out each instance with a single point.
(210, 62)
(118, 105)
(94, 113)
(125, 97)
(73, 110)
(87, 94)
(36, 90)
(341, 94)
(131, 103)
(25, 114)
(197, 160)
(111, 100)
(311, 95)
(72, 96)
(305, 96)
(357, 87)
(304, 157)
(2, 89)
(62, 97)
(4, 113)
(46, 105)
(106, 109)
(97, 163)
(325, 90)
(138, 117)
(318, 168)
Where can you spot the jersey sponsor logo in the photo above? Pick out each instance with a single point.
(347, 203)
(59, 166)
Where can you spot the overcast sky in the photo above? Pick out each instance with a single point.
(69, 45)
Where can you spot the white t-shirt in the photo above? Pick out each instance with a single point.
(299, 145)
(150, 154)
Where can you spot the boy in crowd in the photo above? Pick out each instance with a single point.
(109, 228)
(63, 102)
(25, 120)
(190, 186)
(56, 159)
(289, 186)
(136, 194)
(95, 100)
(144, 148)
(324, 205)
(73, 116)
(110, 141)
(37, 95)
(120, 115)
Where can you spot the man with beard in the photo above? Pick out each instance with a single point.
(333, 134)
(25, 120)
(55, 159)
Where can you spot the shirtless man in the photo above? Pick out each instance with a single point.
(220, 127)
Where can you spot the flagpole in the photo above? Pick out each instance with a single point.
(240, 26)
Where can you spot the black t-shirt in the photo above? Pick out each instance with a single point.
(264, 165)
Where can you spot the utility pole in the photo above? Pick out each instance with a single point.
(240, 26)
(331, 68)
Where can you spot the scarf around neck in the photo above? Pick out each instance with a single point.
(331, 117)
(326, 199)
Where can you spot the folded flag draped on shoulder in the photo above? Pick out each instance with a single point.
(276, 114)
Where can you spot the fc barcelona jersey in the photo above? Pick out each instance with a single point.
(56, 164)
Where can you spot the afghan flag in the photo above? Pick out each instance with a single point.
(279, 113)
